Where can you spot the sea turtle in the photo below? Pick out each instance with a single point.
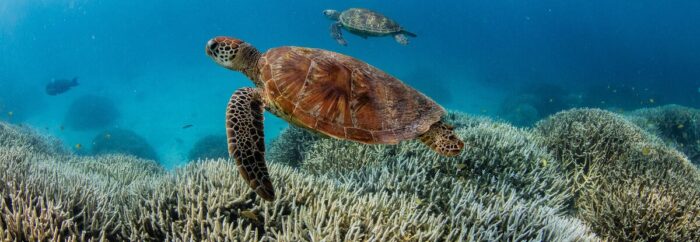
(326, 92)
(365, 23)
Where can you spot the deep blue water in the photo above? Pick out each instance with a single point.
(495, 58)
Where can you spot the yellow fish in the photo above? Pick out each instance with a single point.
(460, 166)
(544, 162)
(680, 126)
(249, 214)
(646, 151)
(78, 146)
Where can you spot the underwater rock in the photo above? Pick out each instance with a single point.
(91, 112)
(627, 184)
(122, 141)
(209, 147)
(678, 126)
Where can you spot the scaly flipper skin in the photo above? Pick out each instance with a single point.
(401, 39)
(246, 140)
(337, 34)
(442, 139)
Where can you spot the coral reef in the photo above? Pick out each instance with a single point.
(678, 126)
(22, 136)
(290, 145)
(580, 175)
(91, 112)
(211, 147)
(626, 184)
(122, 141)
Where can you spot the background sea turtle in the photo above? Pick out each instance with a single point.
(326, 92)
(365, 23)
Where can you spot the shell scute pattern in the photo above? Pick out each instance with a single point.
(368, 21)
(342, 97)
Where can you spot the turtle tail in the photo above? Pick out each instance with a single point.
(442, 139)
(409, 33)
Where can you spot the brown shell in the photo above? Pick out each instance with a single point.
(343, 97)
(366, 20)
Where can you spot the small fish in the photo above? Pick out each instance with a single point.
(680, 126)
(249, 214)
(544, 162)
(108, 136)
(651, 100)
(646, 151)
(187, 126)
(56, 87)
(460, 166)
(419, 201)
(10, 113)
(78, 146)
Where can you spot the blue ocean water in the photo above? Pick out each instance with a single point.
(515, 60)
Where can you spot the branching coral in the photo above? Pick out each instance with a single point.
(509, 184)
(289, 147)
(627, 185)
(16, 136)
(677, 125)
(400, 201)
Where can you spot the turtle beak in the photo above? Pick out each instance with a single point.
(211, 47)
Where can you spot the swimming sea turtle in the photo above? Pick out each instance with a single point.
(325, 92)
(365, 23)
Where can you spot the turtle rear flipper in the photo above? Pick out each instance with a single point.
(246, 140)
(401, 38)
(442, 139)
(337, 34)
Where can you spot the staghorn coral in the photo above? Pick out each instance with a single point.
(210, 146)
(208, 201)
(627, 185)
(12, 135)
(290, 145)
(678, 126)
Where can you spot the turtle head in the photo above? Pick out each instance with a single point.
(331, 14)
(233, 54)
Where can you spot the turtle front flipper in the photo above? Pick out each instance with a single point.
(337, 34)
(246, 140)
